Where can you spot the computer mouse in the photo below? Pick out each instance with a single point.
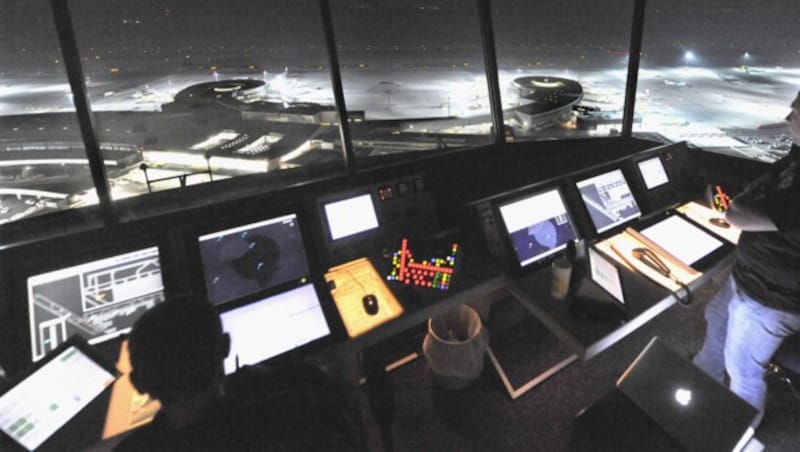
(370, 302)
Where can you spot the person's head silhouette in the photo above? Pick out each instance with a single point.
(177, 349)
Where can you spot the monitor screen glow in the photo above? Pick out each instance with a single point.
(98, 300)
(251, 258)
(685, 241)
(33, 410)
(267, 328)
(538, 225)
(653, 172)
(351, 216)
(605, 274)
(608, 199)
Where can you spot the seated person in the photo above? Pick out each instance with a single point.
(176, 352)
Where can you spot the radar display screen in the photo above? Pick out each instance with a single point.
(608, 199)
(98, 300)
(538, 225)
(253, 258)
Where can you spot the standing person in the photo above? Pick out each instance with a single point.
(759, 305)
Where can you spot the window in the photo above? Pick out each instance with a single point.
(43, 163)
(413, 75)
(190, 92)
(562, 66)
(715, 73)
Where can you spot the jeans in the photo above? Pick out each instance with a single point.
(741, 337)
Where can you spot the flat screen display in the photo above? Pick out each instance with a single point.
(653, 172)
(269, 327)
(538, 225)
(351, 216)
(98, 300)
(682, 239)
(34, 409)
(608, 199)
(605, 274)
(252, 258)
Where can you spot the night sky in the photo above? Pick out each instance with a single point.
(248, 31)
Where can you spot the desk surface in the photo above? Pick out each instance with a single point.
(644, 301)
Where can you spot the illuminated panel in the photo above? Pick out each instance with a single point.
(608, 199)
(252, 258)
(538, 225)
(434, 272)
(653, 172)
(351, 216)
(33, 410)
(98, 300)
(606, 275)
(682, 239)
(272, 326)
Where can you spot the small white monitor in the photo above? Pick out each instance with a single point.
(538, 225)
(653, 172)
(34, 409)
(272, 326)
(605, 274)
(351, 216)
(608, 199)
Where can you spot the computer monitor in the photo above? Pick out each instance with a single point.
(350, 216)
(608, 199)
(50, 394)
(653, 172)
(98, 300)
(538, 225)
(252, 258)
(274, 325)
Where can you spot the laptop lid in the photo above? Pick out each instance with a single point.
(694, 409)
(50, 394)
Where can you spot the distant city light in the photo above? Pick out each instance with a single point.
(689, 57)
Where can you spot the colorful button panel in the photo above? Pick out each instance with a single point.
(434, 272)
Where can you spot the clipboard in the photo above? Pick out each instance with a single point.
(621, 247)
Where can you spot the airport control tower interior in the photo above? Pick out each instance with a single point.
(338, 178)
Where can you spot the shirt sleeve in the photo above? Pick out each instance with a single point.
(783, 203)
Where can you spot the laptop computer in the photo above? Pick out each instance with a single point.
(35, 410)
(694, 409)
